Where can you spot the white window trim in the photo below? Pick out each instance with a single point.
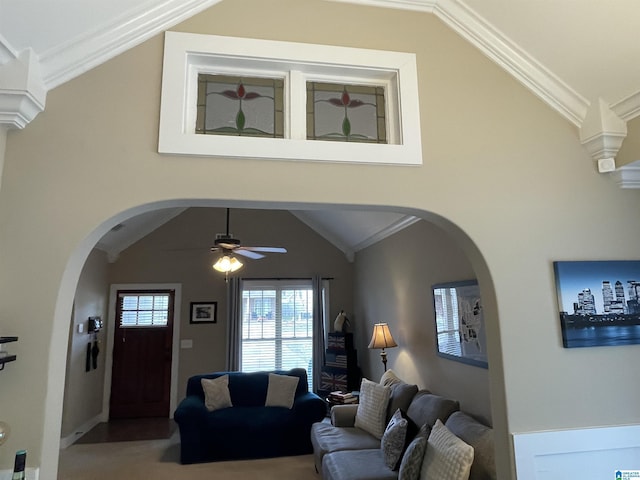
(278, 286)
(186, 55)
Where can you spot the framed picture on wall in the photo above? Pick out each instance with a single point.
(204, 312)
(459, 317)
(599, 302)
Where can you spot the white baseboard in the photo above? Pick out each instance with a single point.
(587, 454)
(80, 431)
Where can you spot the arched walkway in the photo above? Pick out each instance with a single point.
(62, 314)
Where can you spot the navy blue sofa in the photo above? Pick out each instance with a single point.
(249, 429)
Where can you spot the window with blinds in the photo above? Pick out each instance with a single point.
(447, 320)
(277, 325)
(143, 309)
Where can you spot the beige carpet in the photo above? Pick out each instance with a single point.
(159, 460)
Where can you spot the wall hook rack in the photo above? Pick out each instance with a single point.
(4, 356)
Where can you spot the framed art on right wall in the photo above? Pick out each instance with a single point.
(599, 302)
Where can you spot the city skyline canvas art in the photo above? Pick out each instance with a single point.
(599, 302)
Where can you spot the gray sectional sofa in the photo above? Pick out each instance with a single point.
(343, 451)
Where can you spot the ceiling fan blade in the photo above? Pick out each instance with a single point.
(248, 253)
(266, 249)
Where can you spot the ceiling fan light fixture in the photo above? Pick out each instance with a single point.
(226, 264)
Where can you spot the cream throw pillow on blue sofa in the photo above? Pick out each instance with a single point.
(281, 391)
(371, 415)
(216, 392)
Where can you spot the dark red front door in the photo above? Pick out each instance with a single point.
(141, 372)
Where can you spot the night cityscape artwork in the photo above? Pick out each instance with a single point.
(599, 302)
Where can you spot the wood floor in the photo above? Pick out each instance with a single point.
(125, 430)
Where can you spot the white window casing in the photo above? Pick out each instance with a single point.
(186, 55)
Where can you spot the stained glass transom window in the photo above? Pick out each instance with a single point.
(240, 106)
(347, 113)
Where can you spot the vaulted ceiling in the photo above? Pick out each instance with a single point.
(581, 57)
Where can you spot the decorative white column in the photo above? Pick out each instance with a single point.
(628, 176)
(602, 133)
(22, 91)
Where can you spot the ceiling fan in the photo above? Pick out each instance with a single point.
(226, 244)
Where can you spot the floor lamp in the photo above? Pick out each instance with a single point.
(382, 338)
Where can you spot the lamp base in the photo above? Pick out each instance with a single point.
(383, 355)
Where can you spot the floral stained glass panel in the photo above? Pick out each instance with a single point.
(347, 113)
(240, 106)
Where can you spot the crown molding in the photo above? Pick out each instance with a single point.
(350, 250)
(513, 59)
(70, 59)
(325, 233)
(628, 108)
(66, 61)
(602, 133)
(602, 127)
(628, 176)
(413, 5)
(395, 227)
(7, 53)
(18, 109)
(501, 50)
(22, 94)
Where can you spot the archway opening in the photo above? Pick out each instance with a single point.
(80, 255)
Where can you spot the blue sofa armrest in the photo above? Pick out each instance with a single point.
(309, 407)
(190, 409)
(190, 415)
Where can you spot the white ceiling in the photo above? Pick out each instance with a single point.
(349, 230)
(572, 53)
(582, 57)
(590, 45)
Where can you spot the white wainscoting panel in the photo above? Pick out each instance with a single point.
(585, 454)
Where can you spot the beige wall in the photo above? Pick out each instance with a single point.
(84, 390)
(393, 284)
(504, 175)
(178, 252)
(3, 145)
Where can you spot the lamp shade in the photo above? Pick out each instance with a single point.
(226, 264)
(381, 337)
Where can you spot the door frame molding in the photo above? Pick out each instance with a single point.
(175, 347)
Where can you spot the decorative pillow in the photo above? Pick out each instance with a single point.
(400, 397)
(281, 391)
(412, 459)
(389, 378)
(216, 392)
(447, 456)
(372, 409)
(394, 440)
